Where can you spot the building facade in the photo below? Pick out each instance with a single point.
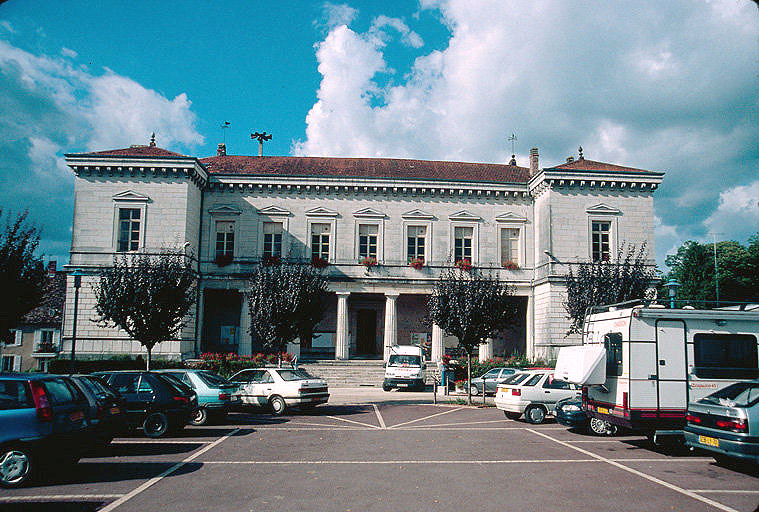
(385, 228)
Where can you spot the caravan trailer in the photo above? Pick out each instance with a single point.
(640, 366)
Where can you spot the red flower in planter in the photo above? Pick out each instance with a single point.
(464, 264)
(510, 265)
(271, 261)
(318, 262)
(416, 263)
(369, 261)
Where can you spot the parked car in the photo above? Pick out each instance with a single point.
(279, 388)
(726, 423)
(43, 423)
(490, 380)
(215, 393)
(106, 413)
(569, 412)
(153, 402)
(534, 395)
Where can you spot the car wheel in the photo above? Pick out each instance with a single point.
(475, 390)
(385, 387)
(512, 415)
(199, 417)
(15, 466)
(156, 424)
(535, 414)
(601, 427)
(277, 405)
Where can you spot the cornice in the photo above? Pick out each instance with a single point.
(613, 180)
(139, 167)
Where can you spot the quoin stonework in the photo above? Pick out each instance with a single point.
(230, 213)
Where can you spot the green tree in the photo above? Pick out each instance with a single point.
(148, 296)
(607, 282)
(22, 274)
(471, 306)
(286, 301)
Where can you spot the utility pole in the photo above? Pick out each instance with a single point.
(716, 268)
(261, 138)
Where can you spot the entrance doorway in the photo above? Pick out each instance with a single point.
(366, 332)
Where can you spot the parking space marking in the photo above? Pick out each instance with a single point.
(396, 462)
(166, 473)
(462, 423)
(379, 416)
(319, 429)
(57, 497)
(724, 491)
(640, 474)
(309, 424)
(354, 422)
(159, 441)
(667, 460)
(426, 417)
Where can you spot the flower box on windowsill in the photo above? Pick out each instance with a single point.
(369, 262)
(223, 260)
(464, 265)
(319, 262)
(46, 348)
(416, 263)
(271, 261)
(510, 265)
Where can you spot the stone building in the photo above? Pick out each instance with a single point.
(524, 224)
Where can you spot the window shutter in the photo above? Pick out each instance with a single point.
(18, 334)
(57, 340)
(16, 363)
(37, 338)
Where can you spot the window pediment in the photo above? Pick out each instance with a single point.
(129, 195)
(273, 211)
(321, 212)
(369, 213)
(602, 209)
(464, 215)
(417, 215)
(225, 209)
(510, 217)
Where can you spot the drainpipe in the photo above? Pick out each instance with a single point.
(200, 276)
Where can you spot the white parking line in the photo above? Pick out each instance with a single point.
(640, 474)
(58, 497)
(159, 441)
(379, 416)
(427, 417)
(169, 471)
(375, 427)
(724, 491)
(398, 462)
(463, 423)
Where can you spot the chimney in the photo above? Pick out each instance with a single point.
(533, 161)
(221, 149)
(51, 267)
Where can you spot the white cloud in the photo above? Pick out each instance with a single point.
(68, 52)
(737, 216)
(335, 15)
(408, 36)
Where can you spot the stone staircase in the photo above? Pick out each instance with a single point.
(354, 372)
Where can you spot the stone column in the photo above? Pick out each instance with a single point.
(245, 347)
(341, 339)
(530, 328)
(486, 350)
(391, 323)
(437, 343)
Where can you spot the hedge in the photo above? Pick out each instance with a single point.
(479, 368)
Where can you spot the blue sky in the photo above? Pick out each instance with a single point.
(661, 85)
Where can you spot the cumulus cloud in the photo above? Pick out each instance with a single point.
(737, 213)
(48, 105)
(335, 15)
(664, 87)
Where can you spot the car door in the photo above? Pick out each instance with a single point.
(126, 384)
(263, 387)
(491, 380)
(251, 386)
(555, 390)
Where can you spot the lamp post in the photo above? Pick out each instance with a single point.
(672, 287)
(77, 274)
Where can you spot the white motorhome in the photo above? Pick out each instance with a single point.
(641, 365)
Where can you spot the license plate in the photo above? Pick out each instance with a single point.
(76, 415)
(710, 441)
(603, 410)
(115, 410)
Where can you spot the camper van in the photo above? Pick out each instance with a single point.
(640, 366)
(405, 368)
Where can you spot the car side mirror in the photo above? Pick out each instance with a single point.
(384, 365)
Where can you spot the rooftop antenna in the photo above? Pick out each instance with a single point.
(224, 129)
(261, 138)
(513, 139)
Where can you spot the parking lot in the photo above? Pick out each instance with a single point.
(388, 456)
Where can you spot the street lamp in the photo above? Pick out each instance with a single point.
(77, 284)
(672, 286)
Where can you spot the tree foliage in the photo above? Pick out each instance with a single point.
(471, 306)
(148, 296)
(286, 301)
(22, 274)
(607, 282)
(738, 271)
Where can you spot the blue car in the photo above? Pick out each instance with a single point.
(43, 423)
(215, 393)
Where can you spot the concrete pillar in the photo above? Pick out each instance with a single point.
(486, 350)
(437, 343)
(341, 340)
(391, 323)
(530, 328)
(245, 347)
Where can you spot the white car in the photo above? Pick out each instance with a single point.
(533, 393)
(280, 388)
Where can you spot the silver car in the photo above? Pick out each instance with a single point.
(726, 423)
(490, 380)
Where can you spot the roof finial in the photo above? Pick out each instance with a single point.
(580, 150)
(513, 160)
(261, 138)
(152, 139)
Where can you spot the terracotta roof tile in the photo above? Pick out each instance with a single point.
(389, 168)
(50, 310)
(590, 165)
(134, 151)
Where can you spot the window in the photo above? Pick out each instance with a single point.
(516, 378)
(272, 240)
(534, 379)
(16, 337)
(462, 243)
(613, 346)
(367, 240)
(129, 229)
(45, 341)
(509, 246)
(11, 363)
(599, 232)
(60, 392)
(225, 239)
(13, 395)
(125, 382)
(416, 236)
(145, 386)
(725, 356)
(551, 383)
(320, 240)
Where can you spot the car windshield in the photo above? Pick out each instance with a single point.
(516, 378)
(740, 394)
(212, 380)
(400, 360)
(294, 374)
(492, 374)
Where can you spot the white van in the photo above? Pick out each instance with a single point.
(640, 366)
(405, 368)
